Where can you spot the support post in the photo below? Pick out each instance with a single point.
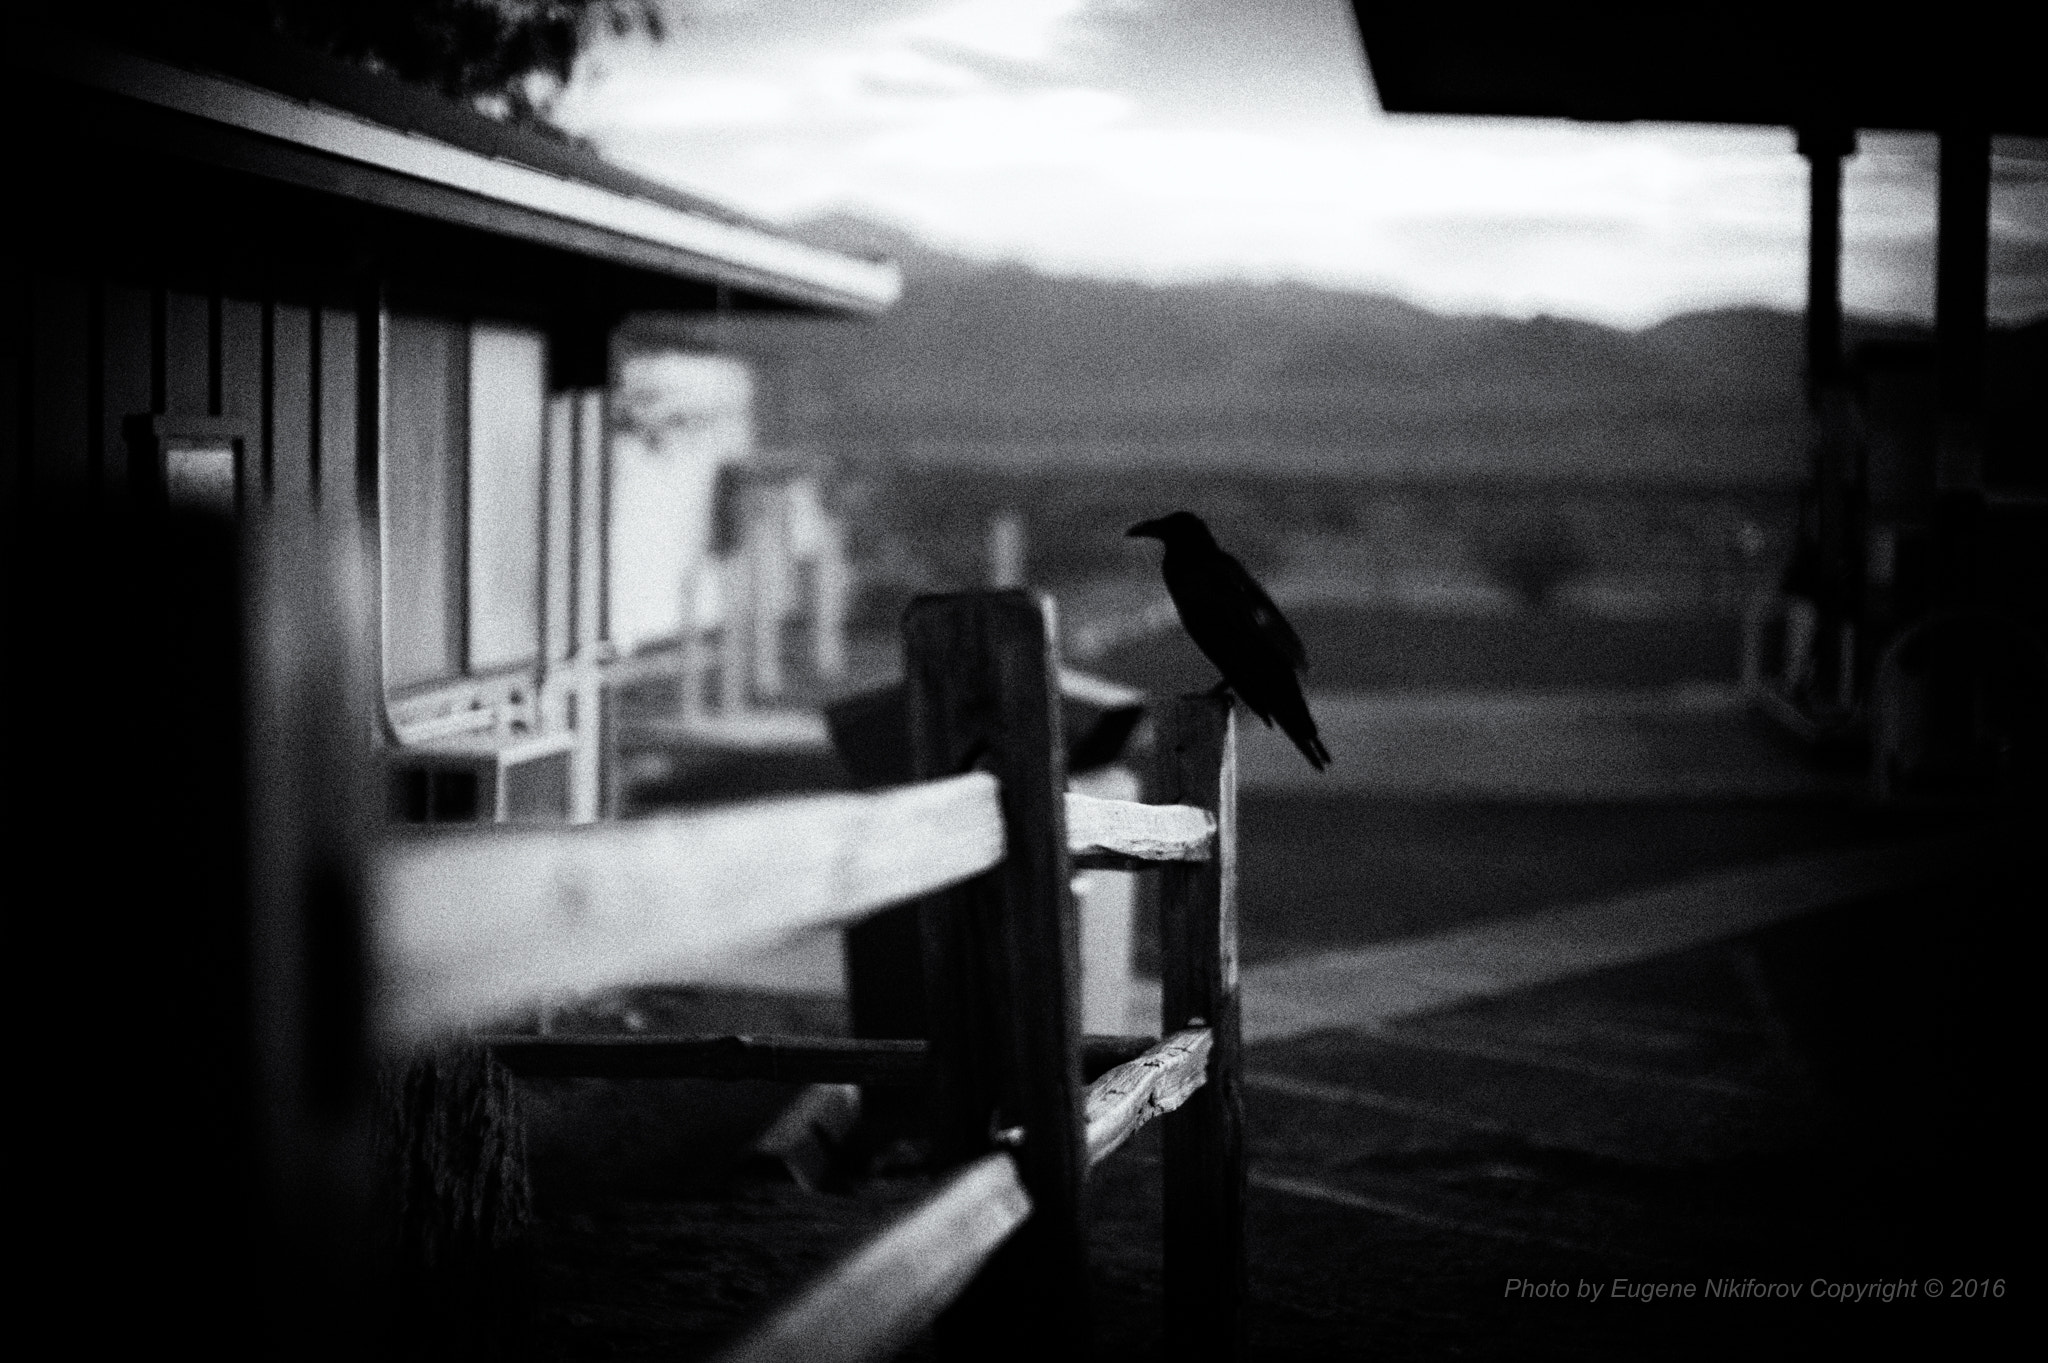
(1824, 149)
(1001, 959)
(310, 780)
(1962, 249)
(216, 901)
(885, 995)
(1204, 1174)
(1836, 545)
(1962, 243)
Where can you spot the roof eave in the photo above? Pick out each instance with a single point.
(332, 151)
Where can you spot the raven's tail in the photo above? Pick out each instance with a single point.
(1291, 710)
(1300, 726)
(1311, 746)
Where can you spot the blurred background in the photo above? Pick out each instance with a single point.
(1670, 572)
(1520, 422)
(1491, 405)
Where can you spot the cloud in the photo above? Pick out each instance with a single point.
(1018, 31)
(1205, 139)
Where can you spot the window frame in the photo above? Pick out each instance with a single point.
(471, 698)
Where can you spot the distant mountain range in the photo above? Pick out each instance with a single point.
(997, 366)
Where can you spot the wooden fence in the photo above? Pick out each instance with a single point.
(987, 839)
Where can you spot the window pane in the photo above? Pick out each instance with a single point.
(507, 389)
(423, 494)
(561, 541)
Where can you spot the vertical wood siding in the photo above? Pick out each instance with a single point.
(13, 384)
(293, 384)
(85, 356)
(238, 340)
(128, 330)
(190, 343)
(59, 365)
(91, 362)
(336, 474)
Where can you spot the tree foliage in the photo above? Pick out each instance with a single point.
(506, 57)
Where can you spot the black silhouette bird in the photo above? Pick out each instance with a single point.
(1234, 622)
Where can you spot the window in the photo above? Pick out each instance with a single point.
(426, 444)
(507, 395)
(465, 431)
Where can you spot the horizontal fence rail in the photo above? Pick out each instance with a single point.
(876, 1300)
(792, 1060)
(1124, 834)
(473, 926)
(478, 924)
(1154, 1084)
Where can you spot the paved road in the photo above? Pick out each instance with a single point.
(1794, 1071)
(1372, 987)
(1693, 741)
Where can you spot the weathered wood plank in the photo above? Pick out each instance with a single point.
(884, 959)
(241, 383)
(798, 1060)
(1204, 1172)
(472, 925)
(310, 788)
(1154, 1084)
(59, 394)
(188, 358)
(294, 387)
(877, 1300)
(1002, 956)
(794, 1060)
(335, 479)
(1125, 835)
(125, 375)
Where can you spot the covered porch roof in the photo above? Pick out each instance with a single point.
(1796, 66)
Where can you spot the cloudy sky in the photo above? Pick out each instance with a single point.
(1197, 139)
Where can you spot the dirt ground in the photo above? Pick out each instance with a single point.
(1815, 1103)
(1823, 1103)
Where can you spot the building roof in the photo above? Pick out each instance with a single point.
(295, 117)
(1948, 66)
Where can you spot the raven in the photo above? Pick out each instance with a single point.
(1234, 622)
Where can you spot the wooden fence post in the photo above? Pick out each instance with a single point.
(312, 815)
(190, 795)
(1204, 1173)
(1002, 958)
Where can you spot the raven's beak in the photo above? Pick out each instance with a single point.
(1143, 530)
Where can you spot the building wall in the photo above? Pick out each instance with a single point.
(89, 356)
(101, 370)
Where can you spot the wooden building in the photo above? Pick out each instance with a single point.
(305, 454)
(260, 280)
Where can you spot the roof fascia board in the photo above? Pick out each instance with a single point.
(765, 261)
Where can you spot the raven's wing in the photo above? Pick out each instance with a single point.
(1234, 622)
(1271, 623)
